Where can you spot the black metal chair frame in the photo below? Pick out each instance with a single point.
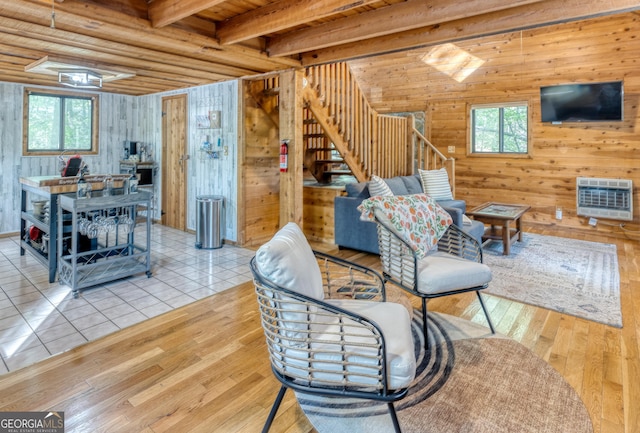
(404, 273)
(273, 300)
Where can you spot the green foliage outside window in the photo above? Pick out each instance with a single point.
(499, 129)
(60, 122)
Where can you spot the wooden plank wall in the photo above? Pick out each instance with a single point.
(123, 118)
(318, 212)
(259, 186)
(512, 67)
(116, 124)
(206, 176)
(290, 120)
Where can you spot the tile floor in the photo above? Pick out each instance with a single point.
(39, 319)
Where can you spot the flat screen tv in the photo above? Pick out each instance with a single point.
(589, 102)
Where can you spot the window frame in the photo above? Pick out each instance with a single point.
(471, 133)
(95, 105)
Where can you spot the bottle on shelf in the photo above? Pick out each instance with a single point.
(84, 187)
(133, 184)
(107, 186)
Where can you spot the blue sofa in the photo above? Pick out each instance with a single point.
(351, 232)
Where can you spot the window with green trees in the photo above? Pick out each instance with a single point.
(500, 129)
(60, 121)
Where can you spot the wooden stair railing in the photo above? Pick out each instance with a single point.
(369, 143)
(335, 136)
(428, 157)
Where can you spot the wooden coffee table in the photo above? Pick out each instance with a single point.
(505, 221)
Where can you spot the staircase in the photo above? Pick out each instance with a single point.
(321, 159)
(344, 135)
(368, 142)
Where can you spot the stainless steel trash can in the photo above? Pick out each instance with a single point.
(209, 221)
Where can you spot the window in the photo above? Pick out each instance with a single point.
(55, 122)
(500, 129)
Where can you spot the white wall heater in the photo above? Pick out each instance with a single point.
(605, 198)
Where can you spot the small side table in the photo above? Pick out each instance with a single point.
(505, 221)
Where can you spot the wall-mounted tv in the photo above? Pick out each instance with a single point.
(588, 102)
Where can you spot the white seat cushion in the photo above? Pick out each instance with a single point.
(394, 321)
(441, 272)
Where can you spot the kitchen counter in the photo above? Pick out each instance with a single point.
(48, 188)
(61, 185)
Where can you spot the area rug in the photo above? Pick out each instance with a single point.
(570, 276)
(471, 382)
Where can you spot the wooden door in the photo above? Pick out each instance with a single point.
(174, 161)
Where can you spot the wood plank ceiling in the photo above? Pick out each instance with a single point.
(163, 45)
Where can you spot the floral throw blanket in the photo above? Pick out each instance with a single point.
(417, 218)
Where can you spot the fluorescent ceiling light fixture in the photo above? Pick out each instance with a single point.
(80, 79)
(67, 68)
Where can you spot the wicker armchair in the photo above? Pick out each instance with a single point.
(456, 266)
(328, 328)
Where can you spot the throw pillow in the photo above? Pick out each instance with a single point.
(435, 184)
(413, 184)
(287, 260)
(378, 187)
(397, 186)
(359, 189)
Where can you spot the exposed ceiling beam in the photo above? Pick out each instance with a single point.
(280, 15)
(163, 72)
(259, 36)
(544, 13)
(56, 42)
(116, 27)
(165, 12)
(395, 18)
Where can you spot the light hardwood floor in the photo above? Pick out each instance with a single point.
(203, 367)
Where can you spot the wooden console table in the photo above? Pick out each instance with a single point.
(505, 221)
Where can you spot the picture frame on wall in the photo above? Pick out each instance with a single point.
(215, 119)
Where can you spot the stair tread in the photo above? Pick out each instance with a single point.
(336, 172)
(320, 149)
(272, 91)
(313, 135)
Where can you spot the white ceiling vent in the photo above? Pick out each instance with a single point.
(604, 198)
